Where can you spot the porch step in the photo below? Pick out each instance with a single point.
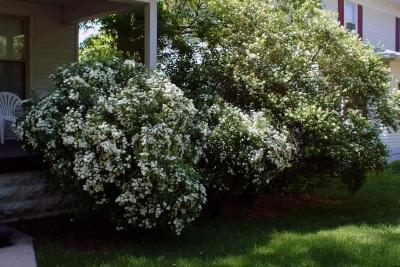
(21, 192)
(25, 195)
(21, 178)
(14, 159)
(27, 163)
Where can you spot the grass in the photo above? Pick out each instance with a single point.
(364, 230)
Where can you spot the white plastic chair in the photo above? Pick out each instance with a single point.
(9, 102)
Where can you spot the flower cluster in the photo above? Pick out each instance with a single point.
(127, 137)
(244, 150)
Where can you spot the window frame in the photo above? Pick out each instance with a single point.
(26, 60)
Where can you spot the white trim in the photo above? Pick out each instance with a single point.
(83, 10)
(150, 33)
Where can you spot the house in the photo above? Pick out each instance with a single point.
(378, 23)
(37, 37)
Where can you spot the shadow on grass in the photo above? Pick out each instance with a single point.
(363, 231)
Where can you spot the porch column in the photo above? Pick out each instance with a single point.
(150, 34)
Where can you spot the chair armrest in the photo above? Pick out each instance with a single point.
(8, 118)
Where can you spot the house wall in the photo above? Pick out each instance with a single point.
(379, 20)
(331, 5)
(52, 44)
(379, 29)
(395, 70)
(392, 139)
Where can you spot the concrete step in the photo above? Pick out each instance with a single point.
(37, 208)
(21, 178)
(22, 192)
(25, 195)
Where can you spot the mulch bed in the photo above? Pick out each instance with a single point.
(62, 231)
(98, 234)
(274, 205)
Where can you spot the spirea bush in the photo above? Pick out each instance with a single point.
(126, 137)
(131, 143)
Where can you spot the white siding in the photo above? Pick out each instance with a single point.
(392, 140)
(395, 70)
(379, 20)
(52, 44)
(331, 5)
(55, 47)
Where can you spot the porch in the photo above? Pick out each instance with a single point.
(36, 38)
(12, 149)
(14, 159)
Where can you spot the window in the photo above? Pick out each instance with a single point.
(13, 54)
(350, 16)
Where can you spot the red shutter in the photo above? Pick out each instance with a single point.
(398, 34)
(360, 21)
(341, 11)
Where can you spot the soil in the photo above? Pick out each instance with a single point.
(96, 234)
(274, 205)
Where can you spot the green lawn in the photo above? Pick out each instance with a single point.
(364, 230)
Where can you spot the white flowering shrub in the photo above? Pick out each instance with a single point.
(245, 152)
(291, 60)
(127, 138)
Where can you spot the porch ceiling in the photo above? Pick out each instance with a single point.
(49, 2)
(74, 11)
(65, 2)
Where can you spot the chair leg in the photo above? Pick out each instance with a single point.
(2, 130)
